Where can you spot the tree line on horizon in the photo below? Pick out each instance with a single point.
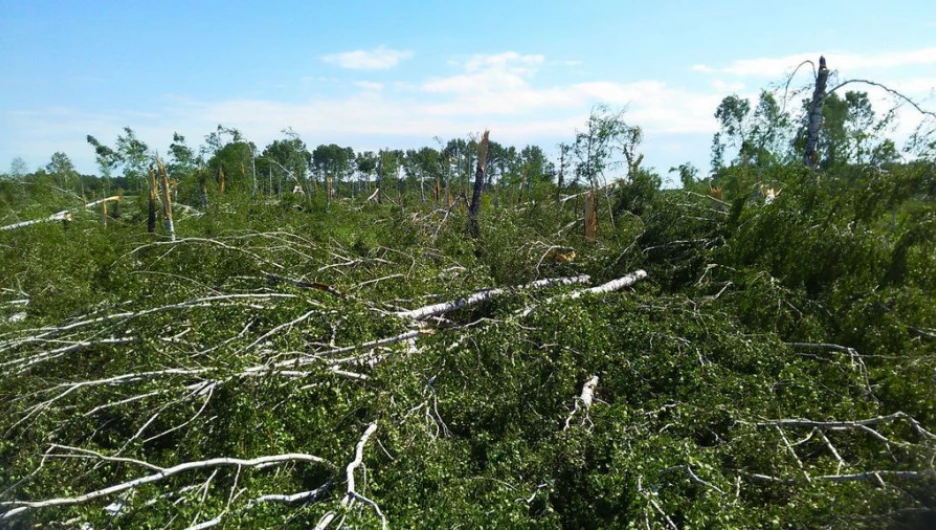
(756, 141)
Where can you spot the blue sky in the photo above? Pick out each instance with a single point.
(373, 74)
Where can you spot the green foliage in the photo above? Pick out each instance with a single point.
(775, 369)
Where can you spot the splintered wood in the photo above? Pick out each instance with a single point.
(591, 217)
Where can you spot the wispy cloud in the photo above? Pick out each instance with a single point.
(498, 91)
(369, 85)
(380, 58)
(776, 67)
(502, 92)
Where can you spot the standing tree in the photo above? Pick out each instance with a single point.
(62, 168)
(135, 156)
(810, 156)
(288, 159)
(533, 168)
(480, 168)
(594, 147)
(688, 174)
(366, 164)
(564, 151)
(107, 160)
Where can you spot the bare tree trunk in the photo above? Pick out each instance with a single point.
(151, 217)
(591, 217)
(203, 188)
(253, 172)
(422, 185)
(810, 157)
(167, 202)
(561, 170)
(478, 186)
(379, 177)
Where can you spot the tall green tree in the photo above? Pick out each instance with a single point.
(595, 147)
(135, 156)
(284, 160)
(61, 167)
(852, 133)
(182, 161)
(18, 168)
(107, 160)
(333, 160)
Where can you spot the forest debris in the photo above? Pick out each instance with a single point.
(485, 294)
(584, 401)
(613, 285)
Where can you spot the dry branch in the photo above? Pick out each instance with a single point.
(584, 401)
(613, 285)
(853, 477)
(352, 494)
(276, 278)
(263, 461)
(846, 425)
(302, 496)
(483, 295)
(64, 215)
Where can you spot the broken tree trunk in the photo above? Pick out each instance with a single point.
(591, 216)
(478, 186)
(167, 199)
(153, 197)
(379, 177)
(63, 216)
(584, 401)
(811, 157)
(614, 285)
(203, 193)
(480, 296)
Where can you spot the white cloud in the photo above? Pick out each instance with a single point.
(777, 67)
(498, 92)
(380, 58)
(489, 73)
(502, 92)
(723, 86)
(369, 85)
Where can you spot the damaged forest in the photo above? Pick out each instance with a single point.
(476, 335)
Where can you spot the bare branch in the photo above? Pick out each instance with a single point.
(890, 91)
(486, 294)
(854, 477)
(263, 461)
(585, 399)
